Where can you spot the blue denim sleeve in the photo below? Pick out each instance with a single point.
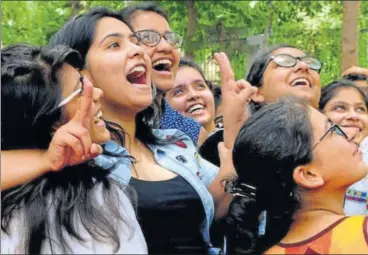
(172, 119)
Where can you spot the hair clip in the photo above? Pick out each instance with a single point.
(240, 189)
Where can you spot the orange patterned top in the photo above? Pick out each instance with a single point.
(348, 235)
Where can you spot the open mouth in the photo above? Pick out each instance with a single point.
(195, 108)
(137, 75)
(98, 117)
(301, 82)
(162, 65)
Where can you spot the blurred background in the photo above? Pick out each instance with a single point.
(336, 32)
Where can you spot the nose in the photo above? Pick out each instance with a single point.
(192, 94)
(97, 94)
(135, 51)
(164, 47)
(301, 65)
(353, 115)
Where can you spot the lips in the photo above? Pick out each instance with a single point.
(355, 126)
(195, 108)
(98, 117)
(301, 81)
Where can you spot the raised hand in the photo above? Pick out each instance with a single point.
(235, 98)
(71, 143)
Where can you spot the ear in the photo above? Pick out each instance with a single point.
(258, 97)
(307, 177)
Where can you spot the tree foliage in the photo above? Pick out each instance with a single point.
(219, 26)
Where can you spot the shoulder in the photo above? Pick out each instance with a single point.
(174, 138)
(172, 119)
(275, 250)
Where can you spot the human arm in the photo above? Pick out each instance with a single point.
(235, 98)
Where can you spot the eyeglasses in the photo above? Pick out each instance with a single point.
(152, 38)
(335, 129)
(286, 60)
(75, 93)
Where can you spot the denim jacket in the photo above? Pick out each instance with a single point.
(181, 158)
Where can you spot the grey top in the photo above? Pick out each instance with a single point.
(131, 238)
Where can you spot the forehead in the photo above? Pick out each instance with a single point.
(290, 51)
(149, 20)
(348, 95)
(108, 25)
(188, 73)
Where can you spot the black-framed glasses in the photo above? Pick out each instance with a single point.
(335, 129)
(286, 60)
(152, 38)
(75, 93)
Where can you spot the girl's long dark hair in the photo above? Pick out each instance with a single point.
(78, 33)
(83, 193)
(274, 141)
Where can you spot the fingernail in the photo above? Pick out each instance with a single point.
(83, 157)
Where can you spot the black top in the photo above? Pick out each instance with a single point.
(170, 213)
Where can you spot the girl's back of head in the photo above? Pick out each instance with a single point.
(274, 141)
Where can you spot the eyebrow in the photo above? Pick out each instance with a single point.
(112, 35)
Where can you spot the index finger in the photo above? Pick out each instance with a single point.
(227, 74)
(83, 114)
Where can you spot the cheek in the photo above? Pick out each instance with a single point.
(178, 103)
(364, 119)
(150, 51)
(336, 117)
(209, 100)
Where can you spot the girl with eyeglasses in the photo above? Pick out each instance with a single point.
(162, 45)
(296, 164)
(285, 70)
(346, 104)
(177, 189)
(69, 204)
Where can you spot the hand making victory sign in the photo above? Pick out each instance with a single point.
(235, 98)
(71, 143)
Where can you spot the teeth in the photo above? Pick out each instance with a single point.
(141, 69)
(195, 107)
(162, 61)
(99, 114)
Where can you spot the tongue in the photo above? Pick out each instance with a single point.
(137, 78)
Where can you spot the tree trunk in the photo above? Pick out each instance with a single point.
(192, 18)
(268, 26)
(350, 34)
(75, 7)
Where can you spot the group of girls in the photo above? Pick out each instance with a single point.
(93, 161)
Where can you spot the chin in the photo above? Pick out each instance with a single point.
(101, 137)
(165, 85)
